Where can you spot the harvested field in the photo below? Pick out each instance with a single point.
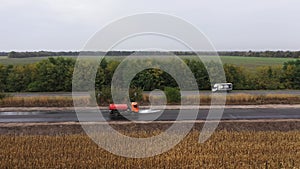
(261, 144)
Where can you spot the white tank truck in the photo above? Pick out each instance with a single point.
(222, 87)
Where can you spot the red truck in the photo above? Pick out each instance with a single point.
(116, 109)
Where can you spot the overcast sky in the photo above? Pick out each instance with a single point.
(57, 25)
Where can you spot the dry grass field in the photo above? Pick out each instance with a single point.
(67, 101)
(255, 147)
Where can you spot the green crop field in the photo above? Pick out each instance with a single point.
(247, 62)
(252, 62)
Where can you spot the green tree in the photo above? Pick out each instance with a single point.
(173, 94)
(150, 79)
(4, 73)
(235, 75)
(292, 74)
(200, 73)
(53, 74)
(268, 78)
(100, 79)
(2, 78)
(20, 77)
(109, 71)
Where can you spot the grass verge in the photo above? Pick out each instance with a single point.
(237, 99)
(42, 101)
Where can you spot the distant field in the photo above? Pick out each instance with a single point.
(251, 62)
(248, 62)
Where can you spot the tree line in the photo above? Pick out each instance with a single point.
(276, 54)
(14, 54)
(55, 75)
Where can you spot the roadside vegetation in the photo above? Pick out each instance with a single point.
(143, 99)
(225, 149)
(55, 75)
(42, 101)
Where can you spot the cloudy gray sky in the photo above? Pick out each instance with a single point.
(28, 25)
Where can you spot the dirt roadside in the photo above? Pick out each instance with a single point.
(69, 128)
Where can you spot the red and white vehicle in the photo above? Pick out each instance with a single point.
(116, 109)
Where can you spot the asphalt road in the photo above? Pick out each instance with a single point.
(167, 115)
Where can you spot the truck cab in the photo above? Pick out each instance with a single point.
(135, 107)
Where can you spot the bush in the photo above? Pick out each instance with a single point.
(136, 95)
(104, 96)
(3, 95)
(173, 94)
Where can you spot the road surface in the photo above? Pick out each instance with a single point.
(167, 115)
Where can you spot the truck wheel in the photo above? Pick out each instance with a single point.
(113, 113)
